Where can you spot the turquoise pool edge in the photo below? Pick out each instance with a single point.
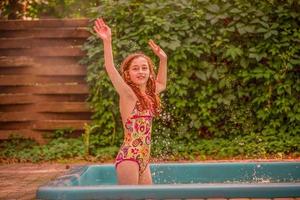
(62, 188)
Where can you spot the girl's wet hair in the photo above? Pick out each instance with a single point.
(150, 87)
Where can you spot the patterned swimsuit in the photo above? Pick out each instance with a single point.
(137, 139)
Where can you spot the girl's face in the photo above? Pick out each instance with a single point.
(139, 71)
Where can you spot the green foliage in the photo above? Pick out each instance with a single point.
(86, 139)
(63, 8)
(63, 132)
(233, 74)
(32, 9)
(26, 150)
(61, 146)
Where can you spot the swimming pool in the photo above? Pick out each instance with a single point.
(181, 181)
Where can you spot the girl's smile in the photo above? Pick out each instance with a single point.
(139, 71)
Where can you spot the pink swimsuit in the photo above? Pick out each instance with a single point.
(137, 139)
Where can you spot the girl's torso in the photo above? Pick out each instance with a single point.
(137, 136)
(137, 125)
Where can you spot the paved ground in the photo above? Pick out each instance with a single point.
(20, 181)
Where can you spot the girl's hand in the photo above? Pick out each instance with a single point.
(157, 50)
(102, 30)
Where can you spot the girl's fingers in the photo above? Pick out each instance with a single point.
(101, 22)
(98, 25)
(152, 45)
(96, 29)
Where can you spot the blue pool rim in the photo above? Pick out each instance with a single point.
(168, 191)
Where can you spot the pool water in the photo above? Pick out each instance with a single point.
(181, 181)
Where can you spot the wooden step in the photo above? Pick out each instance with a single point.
(42, 23)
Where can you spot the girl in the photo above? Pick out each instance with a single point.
(139, 103)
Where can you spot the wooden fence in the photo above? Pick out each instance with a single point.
(42, 85)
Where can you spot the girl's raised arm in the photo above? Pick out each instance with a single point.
(104, 32)
(161, 79)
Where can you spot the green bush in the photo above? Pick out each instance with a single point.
(32, 9)
(233, 76)
(18, 149)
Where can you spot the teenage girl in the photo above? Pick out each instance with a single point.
(138, 89)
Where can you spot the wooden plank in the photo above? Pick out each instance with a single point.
(44, 51)
(25, 61)
(9, 43)
(17, 99)
(15, 125)
(23, 99)
(47, 33)
(67, 116)
(36, 111)
(42, 23)
(15, 61)
(19, 116)
(49, 107)
(19, 80)
(62, 107)
(47, 89)
(29, 117)
(24, 133)
(58, 124)
(49, 70)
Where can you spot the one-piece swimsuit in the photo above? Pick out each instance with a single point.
(137, 138)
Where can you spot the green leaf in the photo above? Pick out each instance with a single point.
(244, 62)
(214, 8)
(235, 11)
(270, 33)
(233, 52)
(174, 44)
(295, 61)
(201, 75)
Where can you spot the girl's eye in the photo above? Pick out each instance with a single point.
(144, 68)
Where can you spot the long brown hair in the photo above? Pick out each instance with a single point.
(154, 105)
